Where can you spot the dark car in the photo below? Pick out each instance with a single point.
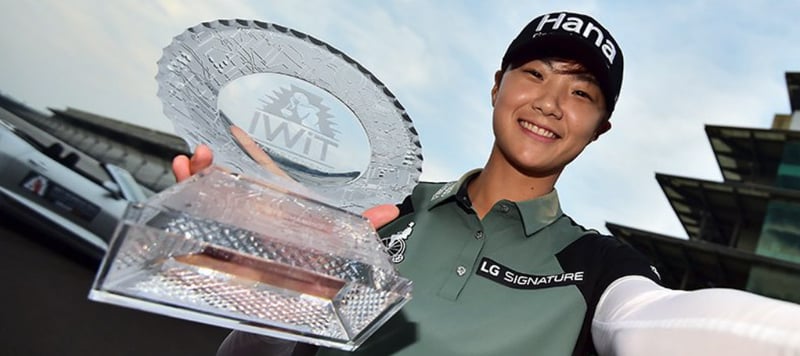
(41, 185)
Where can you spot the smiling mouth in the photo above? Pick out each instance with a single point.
(537, 130)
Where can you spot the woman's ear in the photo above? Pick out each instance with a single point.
(498, 76)
(604, 127)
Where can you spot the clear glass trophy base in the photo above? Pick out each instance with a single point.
(226, 250)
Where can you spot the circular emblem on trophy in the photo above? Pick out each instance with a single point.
(320, 116)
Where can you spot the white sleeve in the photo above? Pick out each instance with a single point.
(636, 316)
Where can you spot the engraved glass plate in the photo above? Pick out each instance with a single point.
(241, 245)
(235, 252)
(322, 117)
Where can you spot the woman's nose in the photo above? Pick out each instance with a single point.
(547, 102)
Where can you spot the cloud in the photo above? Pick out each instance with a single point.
(688, 64)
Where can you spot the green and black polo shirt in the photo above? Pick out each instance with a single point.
(523, 281)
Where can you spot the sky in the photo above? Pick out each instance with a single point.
(687, 64)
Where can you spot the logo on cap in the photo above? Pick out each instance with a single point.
(587, 29)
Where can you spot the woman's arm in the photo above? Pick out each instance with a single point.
(636, 316)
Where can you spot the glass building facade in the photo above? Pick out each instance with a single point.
(744, 232)
(780, 234)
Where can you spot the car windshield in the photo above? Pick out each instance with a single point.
(55, 149)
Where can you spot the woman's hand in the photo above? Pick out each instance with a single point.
(381, 215)
(184, 167)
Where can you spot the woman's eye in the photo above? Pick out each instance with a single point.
(535, 73)
(584, 94)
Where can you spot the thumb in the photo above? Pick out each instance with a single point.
(381, 215)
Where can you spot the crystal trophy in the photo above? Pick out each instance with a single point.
(268, 240)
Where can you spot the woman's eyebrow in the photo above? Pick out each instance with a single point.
(549, 64)
(586, 77)
(580, 75)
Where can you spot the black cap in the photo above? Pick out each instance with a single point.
(572, 36)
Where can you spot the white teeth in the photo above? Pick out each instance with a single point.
(537, 130)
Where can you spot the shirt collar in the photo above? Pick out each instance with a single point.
(454, 190)
(540, 212)
(536, 213)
